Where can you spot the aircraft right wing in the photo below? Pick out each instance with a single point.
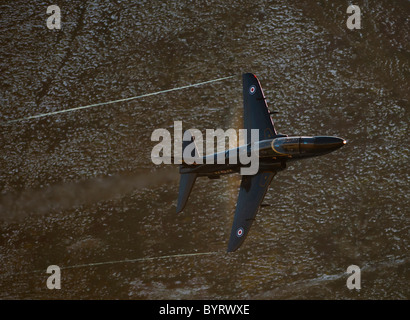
(256, 114)
(251, 194)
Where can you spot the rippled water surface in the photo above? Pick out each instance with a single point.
(79, 188)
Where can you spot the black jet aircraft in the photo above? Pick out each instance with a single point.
(275, 150)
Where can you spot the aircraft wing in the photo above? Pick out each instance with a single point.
(251, 194)
(255, 110)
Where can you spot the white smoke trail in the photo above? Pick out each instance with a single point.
(119, 100)
(104, 263)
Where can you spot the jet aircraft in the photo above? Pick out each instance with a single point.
(275, 151)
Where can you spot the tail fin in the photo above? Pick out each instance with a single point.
(187, 180)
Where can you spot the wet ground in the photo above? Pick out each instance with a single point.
(79, 188)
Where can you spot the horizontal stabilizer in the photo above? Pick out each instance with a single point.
(186, 183)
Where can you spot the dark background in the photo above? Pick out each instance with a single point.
(80, 188)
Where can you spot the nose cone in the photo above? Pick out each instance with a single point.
(320, 145)
(328, 144)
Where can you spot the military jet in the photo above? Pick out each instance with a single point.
(275, 151)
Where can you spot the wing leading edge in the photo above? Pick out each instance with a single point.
(256, 114)
(251, 194)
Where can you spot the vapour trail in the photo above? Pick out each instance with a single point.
(138, 260)
(97, 264)
(119, 100)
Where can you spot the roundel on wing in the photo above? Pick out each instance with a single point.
(252, 89)
(239, 232)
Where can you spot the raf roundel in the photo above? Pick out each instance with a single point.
(239, 232)
(252, 89)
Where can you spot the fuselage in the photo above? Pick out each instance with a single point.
(273, 154)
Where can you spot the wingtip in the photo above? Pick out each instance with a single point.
(233, 246)
(229, 249)
(250, 74)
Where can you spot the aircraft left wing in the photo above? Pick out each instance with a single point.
(256, 114)
(251, 194)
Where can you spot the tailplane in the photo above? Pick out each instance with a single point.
(186, 183)
(187, 180)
